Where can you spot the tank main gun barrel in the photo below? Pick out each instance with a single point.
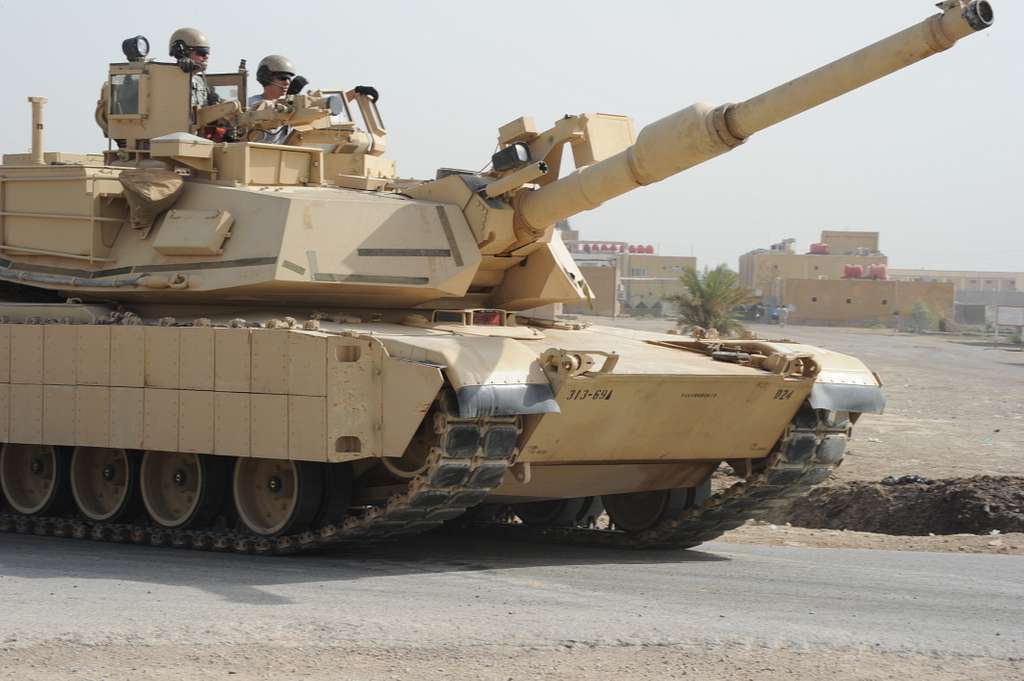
(700, 132)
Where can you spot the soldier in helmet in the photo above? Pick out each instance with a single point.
(275, 73)
(191, 49)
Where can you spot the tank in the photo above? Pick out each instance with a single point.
(853, 271)
(819, 249)
(215, 343)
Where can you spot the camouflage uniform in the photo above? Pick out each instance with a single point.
(202, 93)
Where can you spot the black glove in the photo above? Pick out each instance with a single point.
(369, 91)
(298, 82)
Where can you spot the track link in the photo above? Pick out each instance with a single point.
(467, 460)
(812, 446)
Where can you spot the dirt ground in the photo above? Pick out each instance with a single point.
(955, 415)
(982, 504)
(62, 662)
(980, 514)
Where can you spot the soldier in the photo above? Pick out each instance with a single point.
(192, 50)
(275, 74)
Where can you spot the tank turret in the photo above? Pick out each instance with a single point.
(462, 240)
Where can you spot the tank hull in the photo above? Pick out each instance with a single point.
(361, 397)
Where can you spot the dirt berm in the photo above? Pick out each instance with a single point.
(904, 506)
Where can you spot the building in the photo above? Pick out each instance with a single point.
(863, 301)
(977, 294)
(850, 242)
(649, 280)
(606, 286)
(626, 278)
(764, 269)
(964, 280)
(842, 279)
(641, 265)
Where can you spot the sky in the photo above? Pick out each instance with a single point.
(931, 156)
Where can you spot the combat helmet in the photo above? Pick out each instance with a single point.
(271, 64)
(184, 39)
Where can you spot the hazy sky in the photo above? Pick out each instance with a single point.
(931, 157)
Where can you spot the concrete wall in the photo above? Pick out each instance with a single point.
(862, 300)
(604, 282)
(760, 270)
(848, 241)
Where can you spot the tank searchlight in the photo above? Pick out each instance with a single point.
(135, 48)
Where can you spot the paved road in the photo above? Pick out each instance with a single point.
(436, 592)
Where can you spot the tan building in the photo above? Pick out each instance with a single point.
(763, 270)
(623, 281)
(646, 265)
(978, 294)
(647, 293)
(849, 242)
(604, 281)
(964, 280)
(862, 300)
(648, 280)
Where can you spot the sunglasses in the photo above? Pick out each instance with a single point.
(282, 76)
(201, 51)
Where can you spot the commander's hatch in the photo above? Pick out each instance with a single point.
(143, 100)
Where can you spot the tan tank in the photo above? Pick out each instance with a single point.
(215, 343)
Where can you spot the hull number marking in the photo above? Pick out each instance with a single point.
(589, 394)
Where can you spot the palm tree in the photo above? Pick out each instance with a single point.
(710, 299)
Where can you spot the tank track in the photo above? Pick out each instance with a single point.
(812, 446)
(467, 461)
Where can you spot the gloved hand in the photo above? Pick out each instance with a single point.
(369, 91)
(298, 82)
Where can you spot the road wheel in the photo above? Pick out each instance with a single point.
(638, 511)
(553, 513)
(34, 478)
(105, 483)
(274, 496)
(182, 490)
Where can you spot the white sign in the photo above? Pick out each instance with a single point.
(1010, 316)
